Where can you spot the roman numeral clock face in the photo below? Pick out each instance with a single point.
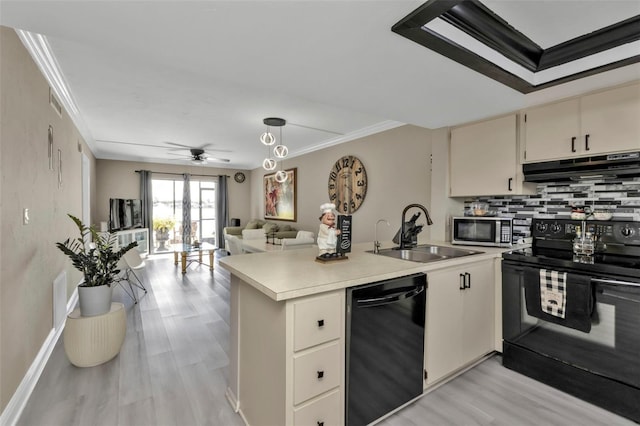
(347, 184)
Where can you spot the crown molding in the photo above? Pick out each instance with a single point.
(41, 53)
(360, 133)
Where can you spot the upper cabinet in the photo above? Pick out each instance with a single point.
(484, 159)
(599, 123)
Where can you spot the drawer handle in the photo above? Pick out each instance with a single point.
(320, 423)
(573, 144)
(320, 374)
(321, 323)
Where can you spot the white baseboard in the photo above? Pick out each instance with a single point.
(11, 414)
(232, 400)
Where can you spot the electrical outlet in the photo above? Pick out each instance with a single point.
(25, 216)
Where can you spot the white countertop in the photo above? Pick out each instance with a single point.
(283, 275)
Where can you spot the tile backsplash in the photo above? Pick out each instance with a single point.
(555, 200)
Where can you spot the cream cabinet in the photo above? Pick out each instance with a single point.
(140, 235)
(594, 124)
(484, 159)
(290, 357)
(460, 318)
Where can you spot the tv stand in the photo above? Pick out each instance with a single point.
(141, 235)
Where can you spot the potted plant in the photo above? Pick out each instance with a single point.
(98, 262)
(162, 226)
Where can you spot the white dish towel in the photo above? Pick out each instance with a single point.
(553, 292)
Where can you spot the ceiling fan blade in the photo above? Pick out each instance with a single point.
(178, 145)
(218, 160)
(210, 147)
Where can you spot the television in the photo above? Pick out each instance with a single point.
(124, 214)
(136, 213)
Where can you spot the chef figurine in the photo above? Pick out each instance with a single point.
(328, 234)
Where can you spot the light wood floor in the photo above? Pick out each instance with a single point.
(172, 370)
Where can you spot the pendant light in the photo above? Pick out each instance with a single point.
(279, 151)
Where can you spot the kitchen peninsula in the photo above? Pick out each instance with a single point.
(287, 330)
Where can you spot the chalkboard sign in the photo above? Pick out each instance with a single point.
(344, 239)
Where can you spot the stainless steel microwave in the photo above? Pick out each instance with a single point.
(482, 231)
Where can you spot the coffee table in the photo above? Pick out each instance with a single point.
(188, 253)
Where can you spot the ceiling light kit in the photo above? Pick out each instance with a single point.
(279, 151)
(198, 157)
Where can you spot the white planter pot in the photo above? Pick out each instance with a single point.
(95, 300)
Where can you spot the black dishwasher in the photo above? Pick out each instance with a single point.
(385, 346)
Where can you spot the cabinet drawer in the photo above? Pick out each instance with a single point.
(316, 372)
(325, 411)
(316, 320)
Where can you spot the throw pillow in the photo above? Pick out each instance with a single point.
(270, 227)
(252, 224)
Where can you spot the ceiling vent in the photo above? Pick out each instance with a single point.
(55, 103)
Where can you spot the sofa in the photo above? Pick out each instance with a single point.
(303, 239)
(257, 228)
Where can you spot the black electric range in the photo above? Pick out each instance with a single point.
(617, 247)
(589, 349)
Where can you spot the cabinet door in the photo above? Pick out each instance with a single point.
(478, 311)
(483, 157)
(142, 237)
(552, 131)
(316, 320)
(123, 239)
(443, 351)
(320, 412)
(460, 322)
(611, 120)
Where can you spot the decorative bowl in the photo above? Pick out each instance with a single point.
(602, 215)
(479, 209)
(578, 215)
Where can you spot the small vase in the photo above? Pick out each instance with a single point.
(95, 300)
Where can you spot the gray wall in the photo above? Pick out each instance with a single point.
(118, 179)
(398, 165)
(29, 260)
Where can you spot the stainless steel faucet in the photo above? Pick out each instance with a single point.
(376, 243)
(404, 212)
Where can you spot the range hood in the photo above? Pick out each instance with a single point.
(601, 166)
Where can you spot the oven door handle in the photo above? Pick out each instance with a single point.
(615, 282)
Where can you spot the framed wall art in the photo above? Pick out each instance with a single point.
(280, 198)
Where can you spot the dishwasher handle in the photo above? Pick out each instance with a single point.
(390, 298)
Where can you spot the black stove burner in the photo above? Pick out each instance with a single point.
(617, 247)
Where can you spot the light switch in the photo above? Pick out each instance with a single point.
(25, 216)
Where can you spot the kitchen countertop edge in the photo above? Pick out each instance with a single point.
(283, 275)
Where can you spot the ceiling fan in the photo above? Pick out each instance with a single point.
(197, 156)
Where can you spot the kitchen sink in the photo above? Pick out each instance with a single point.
(425, 253)
(445, 251)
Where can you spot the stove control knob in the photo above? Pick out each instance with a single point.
(627, 232)
(541, 227)
(555, 228)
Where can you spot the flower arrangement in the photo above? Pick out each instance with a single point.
(164, 224)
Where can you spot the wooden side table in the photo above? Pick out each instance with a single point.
(91, 341)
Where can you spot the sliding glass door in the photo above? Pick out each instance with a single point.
(203, 212)
(167, 212)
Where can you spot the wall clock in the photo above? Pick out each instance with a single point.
(239, 177)
(347, 184)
